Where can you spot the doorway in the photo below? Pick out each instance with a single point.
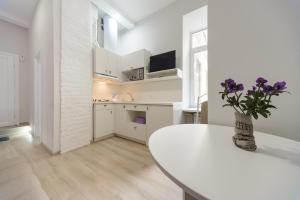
(38, 97)
(9, 87)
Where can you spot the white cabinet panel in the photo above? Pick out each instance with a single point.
(137, 131)
(114, 64)
(100, 60)
(159, 117)
(138, 59)
(103, 123)
(106, 62)
(135, 107)
(121, 120)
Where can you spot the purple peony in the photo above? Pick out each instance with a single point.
(280, 86)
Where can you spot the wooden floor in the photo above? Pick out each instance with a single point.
(107, 170)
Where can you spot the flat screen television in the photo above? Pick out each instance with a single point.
(163, 61)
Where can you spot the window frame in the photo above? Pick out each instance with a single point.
(194, 51)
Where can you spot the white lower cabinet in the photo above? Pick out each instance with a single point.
(137, 131)
(159, 117)
(119, 119)
(103, 121)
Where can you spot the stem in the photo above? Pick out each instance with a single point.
(235, 107)
(269, 100)
(237, 98)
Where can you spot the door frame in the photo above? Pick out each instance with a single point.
(16, 63)
(38, 97)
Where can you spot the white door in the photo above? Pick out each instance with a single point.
(9, 89)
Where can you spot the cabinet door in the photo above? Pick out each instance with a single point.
(135, 60)
(103, 123)
(113, 63)
(158, 117)
(137, 131)
(121, 120)
(100, 61)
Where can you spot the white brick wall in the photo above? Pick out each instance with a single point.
(76, 75)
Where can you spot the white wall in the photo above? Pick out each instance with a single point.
(159, 33)
(155, 91)
(76, 75)
(14, 39)
(255, 38)
(104, 90)
(41, 42)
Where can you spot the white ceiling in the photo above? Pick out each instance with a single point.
(137, 10)
(19, 12)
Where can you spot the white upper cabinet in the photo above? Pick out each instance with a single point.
(138, 59)
(114, 62)
(100, 61)
(106, 63)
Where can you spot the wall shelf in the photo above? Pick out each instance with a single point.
(158, 79)
(163, 73)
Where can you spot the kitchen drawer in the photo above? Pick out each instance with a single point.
(136, 107)
(137, 131)
(103, 106)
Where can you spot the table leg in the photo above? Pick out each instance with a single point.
(187, 196)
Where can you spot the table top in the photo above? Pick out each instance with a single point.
(203, 160)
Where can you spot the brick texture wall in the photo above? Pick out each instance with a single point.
(76, 75)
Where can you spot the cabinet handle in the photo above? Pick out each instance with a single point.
(135, 127)
(135, 106)
(124, 106)
(147, 108)
(110, 112)
(105, 105)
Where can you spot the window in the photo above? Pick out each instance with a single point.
(199, 68)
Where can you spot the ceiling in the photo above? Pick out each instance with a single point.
(137, 10)
(19, 12)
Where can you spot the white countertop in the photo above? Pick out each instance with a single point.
(203, 160)
(141, 103)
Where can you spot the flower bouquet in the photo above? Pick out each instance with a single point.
(257, 102)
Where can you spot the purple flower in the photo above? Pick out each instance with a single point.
(231, 86)
(240, 87)
(280, 86)
(229, 81)
(261, 82)
(250, 92)
(268, 89)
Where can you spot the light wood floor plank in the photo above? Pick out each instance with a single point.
(113, 169)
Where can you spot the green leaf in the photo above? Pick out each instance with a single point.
(263, 114)
(255, 115)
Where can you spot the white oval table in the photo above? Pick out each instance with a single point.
(204, 162)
